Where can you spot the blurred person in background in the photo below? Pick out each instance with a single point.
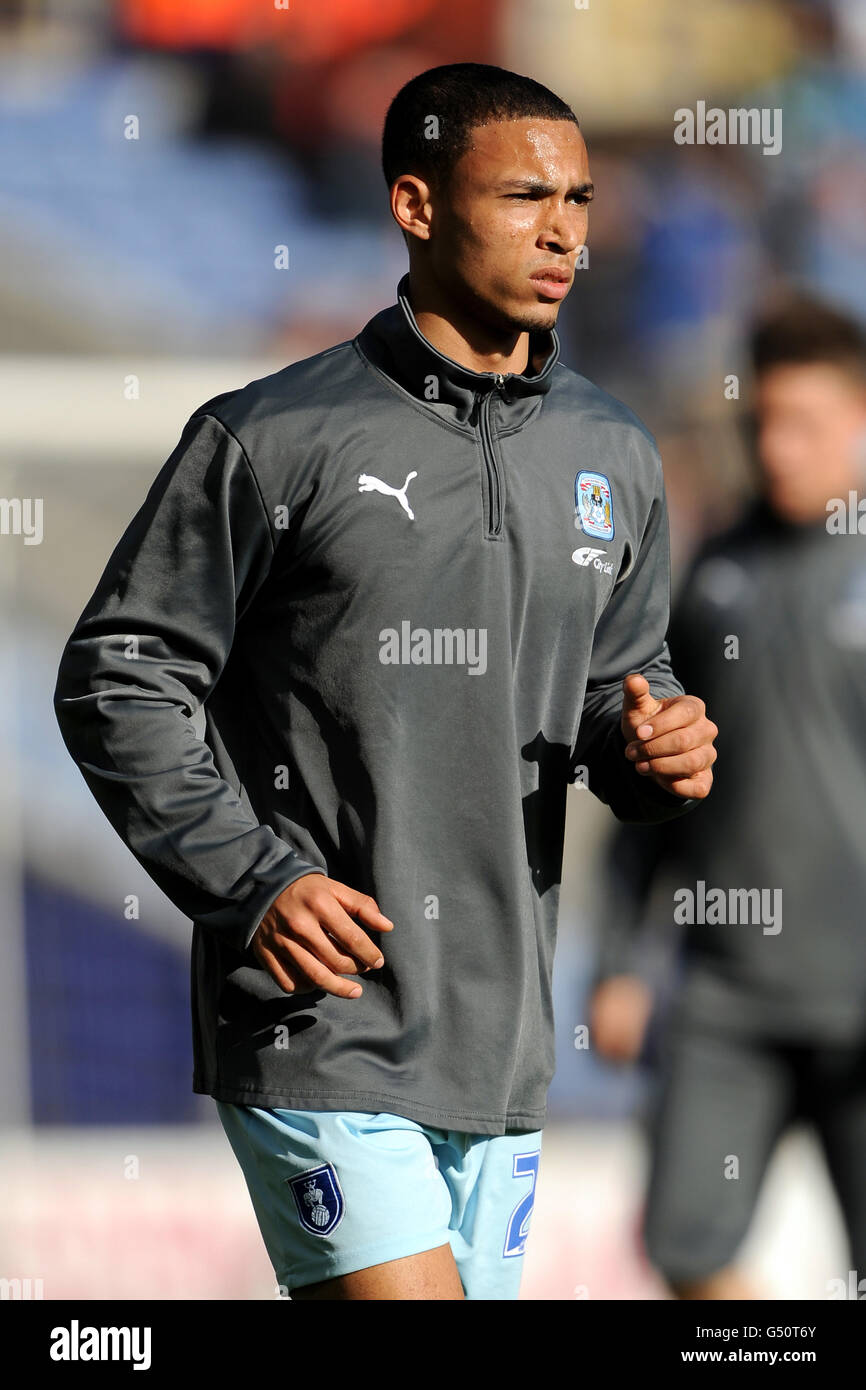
(764, 1022)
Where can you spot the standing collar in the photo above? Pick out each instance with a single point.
(393, 342)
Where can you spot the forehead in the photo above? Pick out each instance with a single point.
(551, 149)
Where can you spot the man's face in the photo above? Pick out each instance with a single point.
(811, 424)
(506, 232)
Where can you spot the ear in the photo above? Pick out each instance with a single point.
(412, 206)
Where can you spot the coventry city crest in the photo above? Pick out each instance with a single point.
(319, 1199)
(593, 505)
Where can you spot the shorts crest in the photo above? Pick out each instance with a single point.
(319, 1199)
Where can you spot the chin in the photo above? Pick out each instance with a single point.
(533, 317)
(502, 308)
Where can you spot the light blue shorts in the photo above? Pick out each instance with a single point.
(338, 1191)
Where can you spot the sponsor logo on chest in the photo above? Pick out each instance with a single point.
(588, 555)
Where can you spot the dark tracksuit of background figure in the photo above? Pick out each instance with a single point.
(763, 1026)
(255, 590)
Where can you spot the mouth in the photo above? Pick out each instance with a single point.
(552, 281)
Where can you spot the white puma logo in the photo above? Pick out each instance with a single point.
(367, 483)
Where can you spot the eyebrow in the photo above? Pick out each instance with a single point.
(544, 190)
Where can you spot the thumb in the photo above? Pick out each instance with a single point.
(638, 703)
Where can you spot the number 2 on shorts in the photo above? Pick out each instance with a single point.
(525, 1166)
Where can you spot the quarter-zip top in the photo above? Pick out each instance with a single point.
(388, 700)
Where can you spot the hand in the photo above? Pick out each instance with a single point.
(669, 740)
(307, 939)
(619, 1011)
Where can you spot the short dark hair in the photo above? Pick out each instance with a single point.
(804, 330)
(460, 96)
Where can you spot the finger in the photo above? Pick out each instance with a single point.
(361, 905)
(690, 787)
(322, 910)
(638, 700)
(349, 936)
(286, 957)
(683, 765)
(667, 745)
(675, 712)
(305, 928)
(274, 968)
(322, 945)
(360, 967)
(299, 983)
(295, 958)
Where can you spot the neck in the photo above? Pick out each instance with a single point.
(457, 334)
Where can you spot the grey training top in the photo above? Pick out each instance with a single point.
(788, 809)
(404, 596)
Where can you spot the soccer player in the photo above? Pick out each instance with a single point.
(413, 586)
(769, 1017)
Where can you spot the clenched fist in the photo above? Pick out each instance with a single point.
(669, 740)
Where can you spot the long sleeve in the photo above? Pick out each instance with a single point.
(630, 636)
(144, 656)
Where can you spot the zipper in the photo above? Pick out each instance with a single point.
(493, 518)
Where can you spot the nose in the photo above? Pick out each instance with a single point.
(565, 227)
